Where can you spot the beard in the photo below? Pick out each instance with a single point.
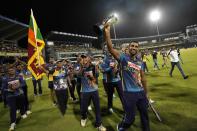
(132, 52)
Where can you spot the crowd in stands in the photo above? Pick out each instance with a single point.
(11, 48)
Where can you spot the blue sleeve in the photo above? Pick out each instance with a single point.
(4, 84)
(122, 57)
(108, 69)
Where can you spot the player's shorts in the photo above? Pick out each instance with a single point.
(50, 85)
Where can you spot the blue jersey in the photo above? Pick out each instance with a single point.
(59, 79)
(88, 84)
(77, 68)
(130, 71)
(113, 72)
(12, 86)
(21, 75)
(103, 67)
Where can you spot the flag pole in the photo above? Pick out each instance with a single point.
(35, 34)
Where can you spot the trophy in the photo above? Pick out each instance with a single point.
(98, 28)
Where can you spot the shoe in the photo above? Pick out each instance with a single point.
(39, 94)
(83, 122)
(12, 127)
(186, 77)
(28, 112)
(24, 116)
(114, 96)
(54, 104)
(75, 101)
(101, 128)
(17, 111)
(119, 128)
(151, 101)
(111, 110)
(89, 108)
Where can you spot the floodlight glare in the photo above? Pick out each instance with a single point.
(115, 15)
(155, 15)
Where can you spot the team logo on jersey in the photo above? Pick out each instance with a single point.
(135, 72)
(15, 84)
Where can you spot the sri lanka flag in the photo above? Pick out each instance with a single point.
(35, 46)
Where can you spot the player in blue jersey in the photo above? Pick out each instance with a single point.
(134, 84)
(21, 73)
(89, 92)
(11, 86)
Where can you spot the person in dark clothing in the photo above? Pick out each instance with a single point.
(154, 55)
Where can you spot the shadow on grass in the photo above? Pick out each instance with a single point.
(178, 94)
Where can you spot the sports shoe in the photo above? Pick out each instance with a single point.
(28, 112)
(17, 111)
(75, 101)
(111, 110)
(114, 96)
(151, 101)
(89, 108)
(101, 128)
(83, 122)
(186, 77)
(24, 116)
(119, 128)
(12, 127)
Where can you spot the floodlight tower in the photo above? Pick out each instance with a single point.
(155, 16)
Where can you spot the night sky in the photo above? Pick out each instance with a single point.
(78, 16)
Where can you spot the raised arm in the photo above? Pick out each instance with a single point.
(107, 36)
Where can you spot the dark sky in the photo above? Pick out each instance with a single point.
(78, 16)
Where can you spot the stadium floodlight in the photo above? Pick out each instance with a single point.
(155, 16)
(116, 15)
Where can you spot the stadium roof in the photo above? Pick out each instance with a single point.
(146, 38)
(11, 30)
(69, 37)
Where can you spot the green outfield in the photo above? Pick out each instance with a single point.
(176, 101)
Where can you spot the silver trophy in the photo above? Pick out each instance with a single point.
(98, 28)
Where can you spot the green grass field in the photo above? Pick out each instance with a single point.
(176, 101)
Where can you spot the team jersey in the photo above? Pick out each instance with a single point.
(51, 69)
(77, 68)
(113, 74)
(21, 75)
(59, 79)
(130, 72)
(12, 86)
(103, 67)
(88, 84)
(144, 58)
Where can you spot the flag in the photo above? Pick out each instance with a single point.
(35, 46)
